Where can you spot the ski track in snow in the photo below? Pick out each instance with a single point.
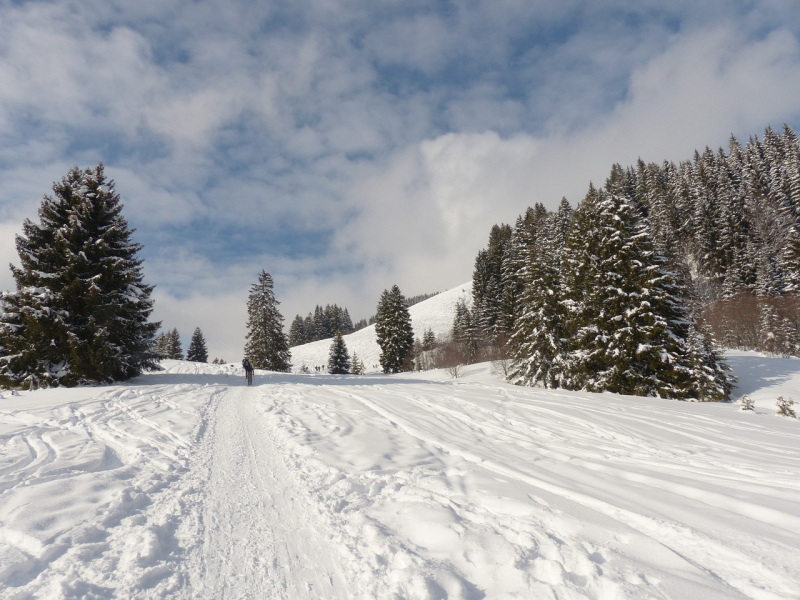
(188, 484)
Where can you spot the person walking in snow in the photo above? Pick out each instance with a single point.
(248, 371)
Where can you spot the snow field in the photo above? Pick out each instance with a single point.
(189, 484)
(82, 473)
(523, 493)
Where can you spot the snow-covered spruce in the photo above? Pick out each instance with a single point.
(536, 343)
(339, 358)
(493, 294)
(267, 346)
(80, 311)
(394, 333)
(601, 312)
(467, 336)
(626, 328)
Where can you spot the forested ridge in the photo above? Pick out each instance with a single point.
(707, 246)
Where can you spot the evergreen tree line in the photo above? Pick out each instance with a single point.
(585, 300)
(412, 300)
(395, 337)
(321, 325)
(362, 323)
(267, 345)
(727, 226)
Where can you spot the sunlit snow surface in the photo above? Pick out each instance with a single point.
(188, 484)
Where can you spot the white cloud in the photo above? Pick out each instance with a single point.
(8, 254)
(424, 215)
(221, 318)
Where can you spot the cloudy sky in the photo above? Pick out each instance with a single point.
(346, 145)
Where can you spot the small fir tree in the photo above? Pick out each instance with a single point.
(197, 348)
(394, 333)
(357, 365)
(747, 403)
(267, 347)
(339, 357)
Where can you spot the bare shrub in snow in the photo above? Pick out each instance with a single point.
(454, 371)
(502, 367)
(785, 407)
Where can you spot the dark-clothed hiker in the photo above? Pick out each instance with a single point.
(248, 371)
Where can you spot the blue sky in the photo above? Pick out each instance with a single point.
(345, 146)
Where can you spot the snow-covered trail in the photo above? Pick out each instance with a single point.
(246, 528)
(189, 484)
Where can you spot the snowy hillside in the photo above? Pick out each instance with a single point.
(188, 484)
(435, 313)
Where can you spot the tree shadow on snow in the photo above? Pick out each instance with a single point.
(268, 378)
(371, 379)
(758, 372)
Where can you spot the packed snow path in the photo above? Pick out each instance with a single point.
(189, 484)
(251, 534)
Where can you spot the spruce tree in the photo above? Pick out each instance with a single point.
(488, 284)
(536, 345)
(626, 325)
(80, 312)
(161, 345)
(197, 348)
(466, 333)
(339, 357)
(790, 260)
(174, 345)
(394, 332)
(428, 340)
(357, 365)
(297, 332)
(267, 346)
